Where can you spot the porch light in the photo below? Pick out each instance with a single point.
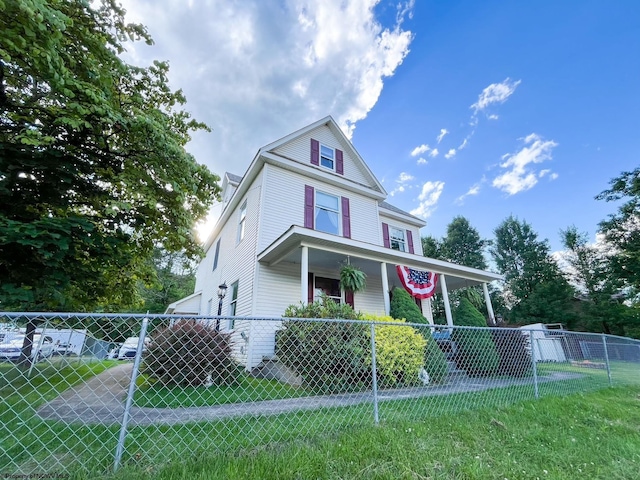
(222, 291)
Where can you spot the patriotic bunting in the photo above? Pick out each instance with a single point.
(418, 283)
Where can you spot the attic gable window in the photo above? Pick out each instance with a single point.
(327, 157)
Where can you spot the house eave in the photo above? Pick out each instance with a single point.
(296, 237)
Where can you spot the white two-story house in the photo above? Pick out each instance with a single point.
(307, 204)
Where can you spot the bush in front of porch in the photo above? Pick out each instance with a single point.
(330, 356)
(404, 307)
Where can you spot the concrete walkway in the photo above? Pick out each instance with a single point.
(101, 400)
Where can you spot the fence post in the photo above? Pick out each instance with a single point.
(535, 364)
(36, 354)
(130, 393)
(374, 374)
(606, 358)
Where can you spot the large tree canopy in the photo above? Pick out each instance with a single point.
(622, 229)
(534, 284)
(93, 169)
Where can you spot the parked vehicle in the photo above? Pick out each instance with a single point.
(129, 347)
(11, 347)
(64, 349)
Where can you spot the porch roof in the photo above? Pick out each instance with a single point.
(331, 250)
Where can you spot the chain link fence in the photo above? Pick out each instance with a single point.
(93, 393)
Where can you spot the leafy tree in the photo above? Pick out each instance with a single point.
(174, 279)
(93, 170)
(590, 270)
(534, 285)
(431, 247)
(463, 245)
(622, 229)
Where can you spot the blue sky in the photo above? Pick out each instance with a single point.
(545, 93)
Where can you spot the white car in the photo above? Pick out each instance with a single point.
(11, 347)
(129, 347)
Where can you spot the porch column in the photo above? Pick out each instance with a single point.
(427, 310)
(445, 298)
(385, 288)
(487, 301)
(304, 275)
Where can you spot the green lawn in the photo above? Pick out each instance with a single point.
(247, 389)
(432, 437)
(594, 436)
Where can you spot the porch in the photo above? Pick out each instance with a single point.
(316, 252)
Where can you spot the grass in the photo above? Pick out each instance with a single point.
(429, 437)
(22, 433)
(246, 389)
(594, 435)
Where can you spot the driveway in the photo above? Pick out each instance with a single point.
(101, 400)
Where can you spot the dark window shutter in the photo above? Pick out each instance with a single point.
(346, 218)
(339, 162)
(315, 152)
(215, 257)
(308, 206)
(310, 291)
(385, 235)
(348, 298)
(410, 241)
(418, 302)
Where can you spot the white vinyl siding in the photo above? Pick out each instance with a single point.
(235, 261)
(299, 149)
(284, 192)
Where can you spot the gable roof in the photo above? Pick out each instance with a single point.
(329, 122)
(391, 208)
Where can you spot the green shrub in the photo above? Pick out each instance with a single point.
(190, 353)
(330, 356)
(404, 307)
(400, 352)
(435, 362)
(476, 352)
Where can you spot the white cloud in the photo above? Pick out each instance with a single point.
(450, 154)
(404, 177)
(253, 81)
(553, 176)
(428, 198)
(464, 143)
(419, 150)
(443, 132)
(521, 174)
(434, 153)
(493, 116)
(474, 190)
(401, 182)
(495, 93)
(421, 161)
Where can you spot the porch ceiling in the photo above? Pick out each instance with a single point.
(330, 251)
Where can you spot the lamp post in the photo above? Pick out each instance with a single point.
(222, 291)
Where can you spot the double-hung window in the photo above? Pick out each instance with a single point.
(242, 221)
(397, 239)
(327, 213)
(327, 157)
(233, 304)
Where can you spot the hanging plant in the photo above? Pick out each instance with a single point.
(352, 279)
